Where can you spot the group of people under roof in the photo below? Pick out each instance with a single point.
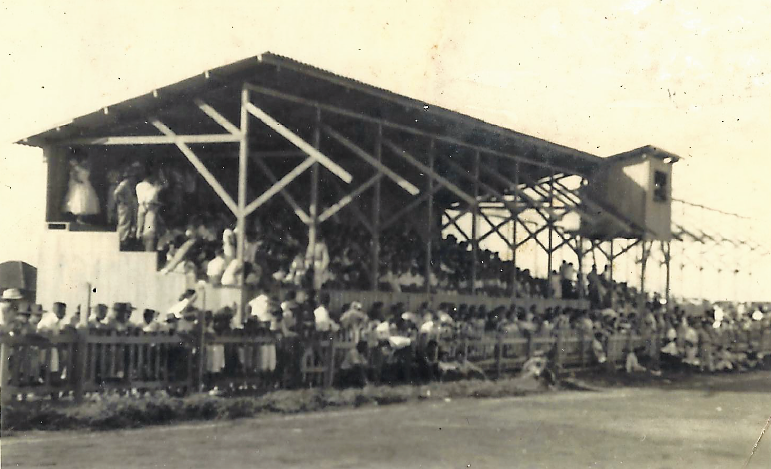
(415, 343)
(160, 208)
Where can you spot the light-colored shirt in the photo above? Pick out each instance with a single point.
(48, 323)
(322, 319)
(216, 267)
(260, 308)
(147, 193)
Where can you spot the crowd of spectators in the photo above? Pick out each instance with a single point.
(713, 341)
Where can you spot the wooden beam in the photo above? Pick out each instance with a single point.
(284, 192)
(349, 198)
(533, 235)
(217, 117)
(279, 154)
(155, 139)
(199, 166)
(430, 217)
(426, 170)
(295, 140)
(460, 230)
(409, 207)
(347, 143)
(495, 228)
(376, 215)
(280, 185)
(337, 185)
(404, 128)
(243, 162)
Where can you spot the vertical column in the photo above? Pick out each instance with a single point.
(550, 261)
(243, 153)
(580, 256)
(514, 218)
(668, 261)
(313, 210)
(610, 261)
(430, 235)
(474, 222)
(375, 255)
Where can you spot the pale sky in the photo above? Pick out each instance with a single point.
(689, 76)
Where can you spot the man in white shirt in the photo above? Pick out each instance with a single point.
(50, 322)
(321, 315)
(147, 212)
(260, 308)
(216, 267)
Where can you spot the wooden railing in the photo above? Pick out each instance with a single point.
(77, 363)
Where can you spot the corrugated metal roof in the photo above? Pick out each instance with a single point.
(312, 83)
(644, 152)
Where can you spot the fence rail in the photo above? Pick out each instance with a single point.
(77, 363)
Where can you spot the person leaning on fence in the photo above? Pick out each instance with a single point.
(321, 318)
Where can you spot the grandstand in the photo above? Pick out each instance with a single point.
(268, 135)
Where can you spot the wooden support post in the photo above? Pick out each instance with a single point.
(5, 378)
(430, 235)
(329, 376)
(200, 364)
(83, 320)
(611, 260)
(375, 254)
(550, 250)
(499, 356)
(313, 210)
(474, 223)
(514, 218)
(580, 256)
(79, 363)
(667, 259)
(243, 158)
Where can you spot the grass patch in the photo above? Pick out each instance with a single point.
(108, 412)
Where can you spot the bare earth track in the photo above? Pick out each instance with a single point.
(709, 422)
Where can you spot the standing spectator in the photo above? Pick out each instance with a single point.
(51, 320)
(148, 217)
(126, 205)
(317, 256)
(113, 179)
(81, 200)
(321, 315)
(216, 267)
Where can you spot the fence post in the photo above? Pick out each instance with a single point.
(499, 357)
(200, 364)
(582, 346)
(330, 374)
(80, 364)
(5, 377)
(558, 353)
(529, 346)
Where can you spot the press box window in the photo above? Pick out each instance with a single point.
(660, 186)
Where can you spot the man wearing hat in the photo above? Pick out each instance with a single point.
(9, 307)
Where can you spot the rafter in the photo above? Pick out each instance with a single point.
(347, 143)
(199, 166)
(295, 140)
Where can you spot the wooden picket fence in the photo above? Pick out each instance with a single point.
(77, 363)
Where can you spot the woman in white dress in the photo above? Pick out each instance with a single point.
(81, 199)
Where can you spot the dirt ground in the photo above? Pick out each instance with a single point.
(708, 422)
